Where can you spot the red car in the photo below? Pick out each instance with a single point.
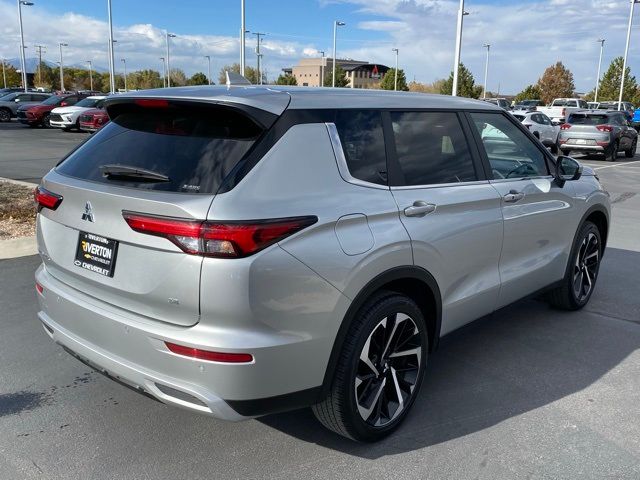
(93, 119)
(37, 115)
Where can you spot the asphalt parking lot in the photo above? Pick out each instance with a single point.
(526, 393)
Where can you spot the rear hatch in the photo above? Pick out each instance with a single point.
(589, 126)
(156, 157)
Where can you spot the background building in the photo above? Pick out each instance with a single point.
(360, 74)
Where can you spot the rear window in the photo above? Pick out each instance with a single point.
(196, 148)
(520, 117)
(587, 119)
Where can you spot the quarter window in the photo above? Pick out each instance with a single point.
(510, 152)
(431, 148)
(362, 140)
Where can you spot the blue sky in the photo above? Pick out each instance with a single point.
(526, 35)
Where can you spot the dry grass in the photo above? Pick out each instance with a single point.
(17, 211)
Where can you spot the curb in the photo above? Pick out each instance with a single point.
(18, 182)
(18, 247)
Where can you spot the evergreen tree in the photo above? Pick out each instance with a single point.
(388, 80)
(286, 79)
(531, 92)
(609, 88)
(466, 84)
(341, 77)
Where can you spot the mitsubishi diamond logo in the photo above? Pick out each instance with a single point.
(88, 212)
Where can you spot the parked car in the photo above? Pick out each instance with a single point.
(593, 105)
(501, 102)
(627, 108)
(243, 251)
(598, 132)
(560, 108)
(10, 103)
(69, 117)
(5, 91)
(541, 127)
(40, 114)
(94, 119)
(528, 105)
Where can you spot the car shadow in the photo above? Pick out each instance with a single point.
(518, 359)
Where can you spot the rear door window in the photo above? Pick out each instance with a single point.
(195, 148)
(431, 148)
(362, 140)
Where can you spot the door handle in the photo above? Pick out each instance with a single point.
(513, 196)
(419, 209)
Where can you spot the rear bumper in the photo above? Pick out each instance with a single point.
(582, 148)
(131, 349)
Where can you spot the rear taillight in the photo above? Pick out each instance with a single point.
(46, 199)
(208, 355)
(565, 126)
(39, 288)
(218, 239)
(605, 128)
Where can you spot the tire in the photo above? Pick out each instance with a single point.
(5, 115)
(387, 376)
(632, 150)
(45, 120)
(583, 268)
(612, 154)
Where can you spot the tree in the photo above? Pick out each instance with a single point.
(341, 77)
(178, 78)
(466, 84)
(286, 79)
(388, 80)
(609, 88)
(250, 73)
(14, 79)
(556, 82)
(434, 87)
(198, 78)
(531, 92)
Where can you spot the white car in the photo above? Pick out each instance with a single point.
(68, 117)
(541, 126)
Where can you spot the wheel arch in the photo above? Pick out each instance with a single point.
(598, 215)
(415, 282)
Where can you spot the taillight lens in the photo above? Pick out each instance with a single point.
(605, 128)
(46, 199)
(565, 126)
(208, 355)
(218, 239)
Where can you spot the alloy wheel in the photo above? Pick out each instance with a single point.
(388, 370)
(585, 268)
(5, 116)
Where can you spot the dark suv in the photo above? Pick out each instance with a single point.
(38, 115)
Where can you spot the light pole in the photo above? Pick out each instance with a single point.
(626, 52)
(601, 41)
(22, 47)
(243, 30)
(124, 62)
(258, 54)
(90, 75)
(395, 80)
(336, 24)
(61, 66)
(167, 37)
(112, 65)
(208, 57)
(322, 68)
(486, 70)
(456, 63)
(164, 73)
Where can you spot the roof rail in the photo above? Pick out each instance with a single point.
(235, 79)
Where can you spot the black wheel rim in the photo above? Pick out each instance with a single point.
(3, 116)
(388, 370)
(585, 268)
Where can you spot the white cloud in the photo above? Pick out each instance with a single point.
(525, 38)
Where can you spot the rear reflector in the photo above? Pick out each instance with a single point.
(39, 288)
(218, 239)
(46, 199)
(210, 356)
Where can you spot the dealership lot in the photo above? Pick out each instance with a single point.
(528, 392)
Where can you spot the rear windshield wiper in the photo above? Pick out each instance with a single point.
(127, 172)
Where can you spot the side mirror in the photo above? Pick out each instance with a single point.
(567, 169)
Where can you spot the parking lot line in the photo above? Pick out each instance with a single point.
(618, 165)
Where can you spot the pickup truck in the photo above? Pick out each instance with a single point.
(560, 108)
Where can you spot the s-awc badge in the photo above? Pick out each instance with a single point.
(96, 253)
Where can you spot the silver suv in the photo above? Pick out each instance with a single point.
(244, 251)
